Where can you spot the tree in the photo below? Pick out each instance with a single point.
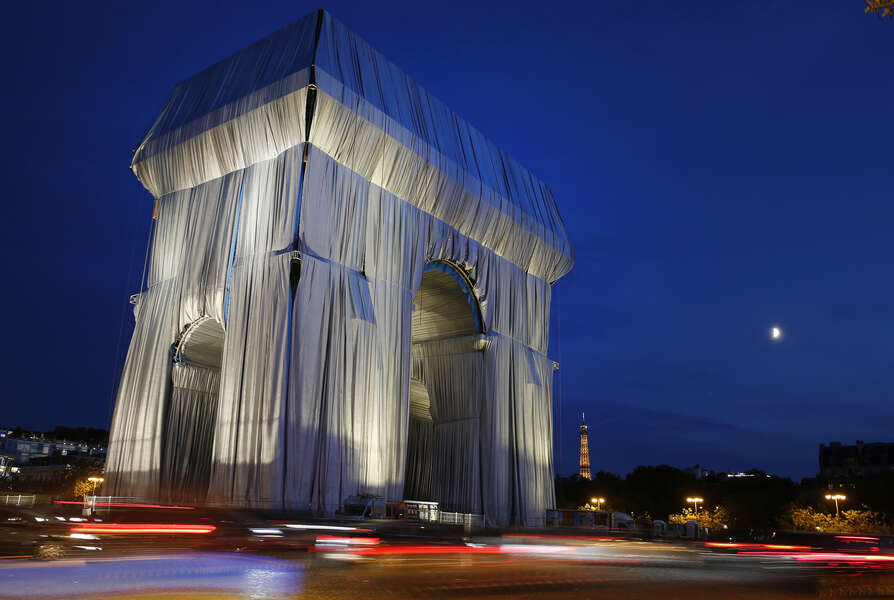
(574, 491)
(755, 502)
(659, 490)
(86, 435)
(802, 518)
(880, 8)
(876, 491)
(83, 487)
(712, 519)
(862, 520)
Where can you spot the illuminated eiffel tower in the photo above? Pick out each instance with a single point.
(584, 450)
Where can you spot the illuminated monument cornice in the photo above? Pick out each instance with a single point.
(348, 294)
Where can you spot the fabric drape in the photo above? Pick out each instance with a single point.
(188, 434)
(420, 451)
(252, 426)
(456, 387)
(186, 280)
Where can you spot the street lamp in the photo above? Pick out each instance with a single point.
(836, 498)
(694, 501)
(598, 502)
(94, 481)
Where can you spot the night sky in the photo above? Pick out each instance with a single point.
(722, 167)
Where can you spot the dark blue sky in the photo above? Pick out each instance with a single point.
(721, 167)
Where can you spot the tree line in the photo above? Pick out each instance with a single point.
(755, 501)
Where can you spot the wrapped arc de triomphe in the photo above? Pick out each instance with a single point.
(348, 294)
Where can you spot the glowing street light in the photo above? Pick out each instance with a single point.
(836, 498)
(91, 508)
(694, 501)
(598, 502)
(94, 481)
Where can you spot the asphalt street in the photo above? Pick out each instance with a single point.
(626, 571)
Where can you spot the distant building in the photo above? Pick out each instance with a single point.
(842, 463)
(742, 474)
(584, 450)
(22, 449)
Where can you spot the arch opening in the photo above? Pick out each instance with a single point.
(446, 391)
(445, 305)
(191, 411)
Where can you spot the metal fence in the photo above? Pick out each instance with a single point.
(468, 519)
(20, 499)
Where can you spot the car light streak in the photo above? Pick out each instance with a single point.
(826, 556)
(141, 528)
(322, 527)
(744, 546)
(424, 549)
(599, 538)
(123, 504)
(266, 531)
(432, 549)
(349, 541)
(841, 557)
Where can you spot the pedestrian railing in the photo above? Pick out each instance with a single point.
(468, 519)
(20, 499)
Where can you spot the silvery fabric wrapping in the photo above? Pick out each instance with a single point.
(187, 279)
(189, 430)
(310, 141)
(417, 482)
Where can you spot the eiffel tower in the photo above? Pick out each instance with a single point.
(584, 450)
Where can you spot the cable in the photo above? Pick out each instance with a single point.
(146, 256)
(559, 394)
(116, 372)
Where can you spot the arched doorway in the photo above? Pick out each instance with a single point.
(191, 412)
(446, 391)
